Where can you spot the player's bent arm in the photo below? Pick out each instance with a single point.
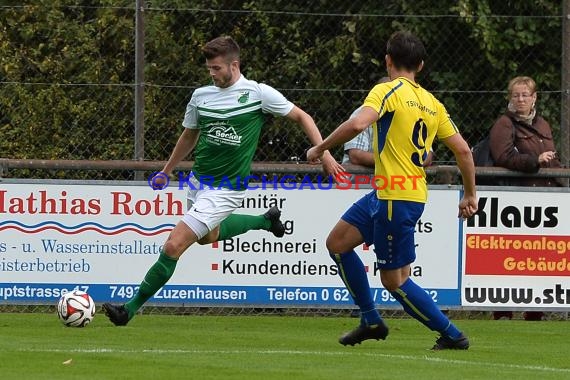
(361, 157)
(186, 142)
(307, 123)
(330, 165)
(348, 129)
(464, 159)
(468, 204)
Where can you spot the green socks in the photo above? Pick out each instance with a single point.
(162, 270)
(237, 224)
(155, 278)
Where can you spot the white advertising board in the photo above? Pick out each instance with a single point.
(103, 238)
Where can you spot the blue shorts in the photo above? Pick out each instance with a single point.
(389, 225)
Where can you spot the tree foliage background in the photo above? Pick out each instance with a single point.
(67, 67)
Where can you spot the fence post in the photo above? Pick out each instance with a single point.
(3, 167)
(139, 85)
(565, 86)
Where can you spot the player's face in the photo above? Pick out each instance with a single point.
(522, 98)
(224, 73)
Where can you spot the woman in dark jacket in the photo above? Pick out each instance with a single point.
(531, 146)
(527, 148)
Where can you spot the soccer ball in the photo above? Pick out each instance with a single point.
(76, 309)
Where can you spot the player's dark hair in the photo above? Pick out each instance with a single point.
(406, 50)
(223, 46)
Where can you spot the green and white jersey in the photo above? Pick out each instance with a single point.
(230, 121)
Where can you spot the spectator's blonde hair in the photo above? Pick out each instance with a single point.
(528, 81)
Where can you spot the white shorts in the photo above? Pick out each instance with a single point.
(210, 206)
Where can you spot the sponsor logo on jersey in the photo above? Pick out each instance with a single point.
(222, 133)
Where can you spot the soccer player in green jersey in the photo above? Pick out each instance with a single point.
(406, 119)
(222, 125)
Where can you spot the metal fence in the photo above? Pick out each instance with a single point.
(328, 57)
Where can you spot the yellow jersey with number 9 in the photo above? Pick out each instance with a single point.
(409, 118)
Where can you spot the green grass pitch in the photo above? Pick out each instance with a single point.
(38, 346)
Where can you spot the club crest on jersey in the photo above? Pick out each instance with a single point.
(243, 97)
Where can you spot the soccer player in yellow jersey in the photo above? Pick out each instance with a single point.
(406, 119)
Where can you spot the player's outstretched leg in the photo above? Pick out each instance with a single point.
(420, 305)
(237, 224)
(155, 278)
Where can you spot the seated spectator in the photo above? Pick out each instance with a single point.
(531, 146)
(521, 140)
